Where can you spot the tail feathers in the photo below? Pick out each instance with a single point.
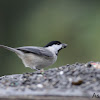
(11, 49)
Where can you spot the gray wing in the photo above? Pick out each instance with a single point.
(36, 50)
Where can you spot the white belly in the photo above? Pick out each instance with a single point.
(32, 60)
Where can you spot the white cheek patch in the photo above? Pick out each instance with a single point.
(55, 48)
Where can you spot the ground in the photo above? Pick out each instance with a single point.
(74, 80)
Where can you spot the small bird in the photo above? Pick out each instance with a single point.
(38, 57)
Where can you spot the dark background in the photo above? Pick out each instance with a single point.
(37, 22)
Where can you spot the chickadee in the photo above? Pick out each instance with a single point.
(38, 57)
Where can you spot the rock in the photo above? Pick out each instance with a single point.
(69, 80)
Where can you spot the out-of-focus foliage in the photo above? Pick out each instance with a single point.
(37, 22)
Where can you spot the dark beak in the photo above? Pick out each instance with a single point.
(64, 45)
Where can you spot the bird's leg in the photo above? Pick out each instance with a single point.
(41, 71)
(38, 70)
(34, 68)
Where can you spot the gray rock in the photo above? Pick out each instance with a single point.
(70, 80)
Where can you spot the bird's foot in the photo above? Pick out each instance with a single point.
(39, 71)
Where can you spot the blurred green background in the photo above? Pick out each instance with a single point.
(37, 22)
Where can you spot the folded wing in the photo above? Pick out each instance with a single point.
(36, 50)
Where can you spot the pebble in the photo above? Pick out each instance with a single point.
(39, 85)
(61, 72)
(78, 75)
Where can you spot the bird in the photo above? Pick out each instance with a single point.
(36, 57)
